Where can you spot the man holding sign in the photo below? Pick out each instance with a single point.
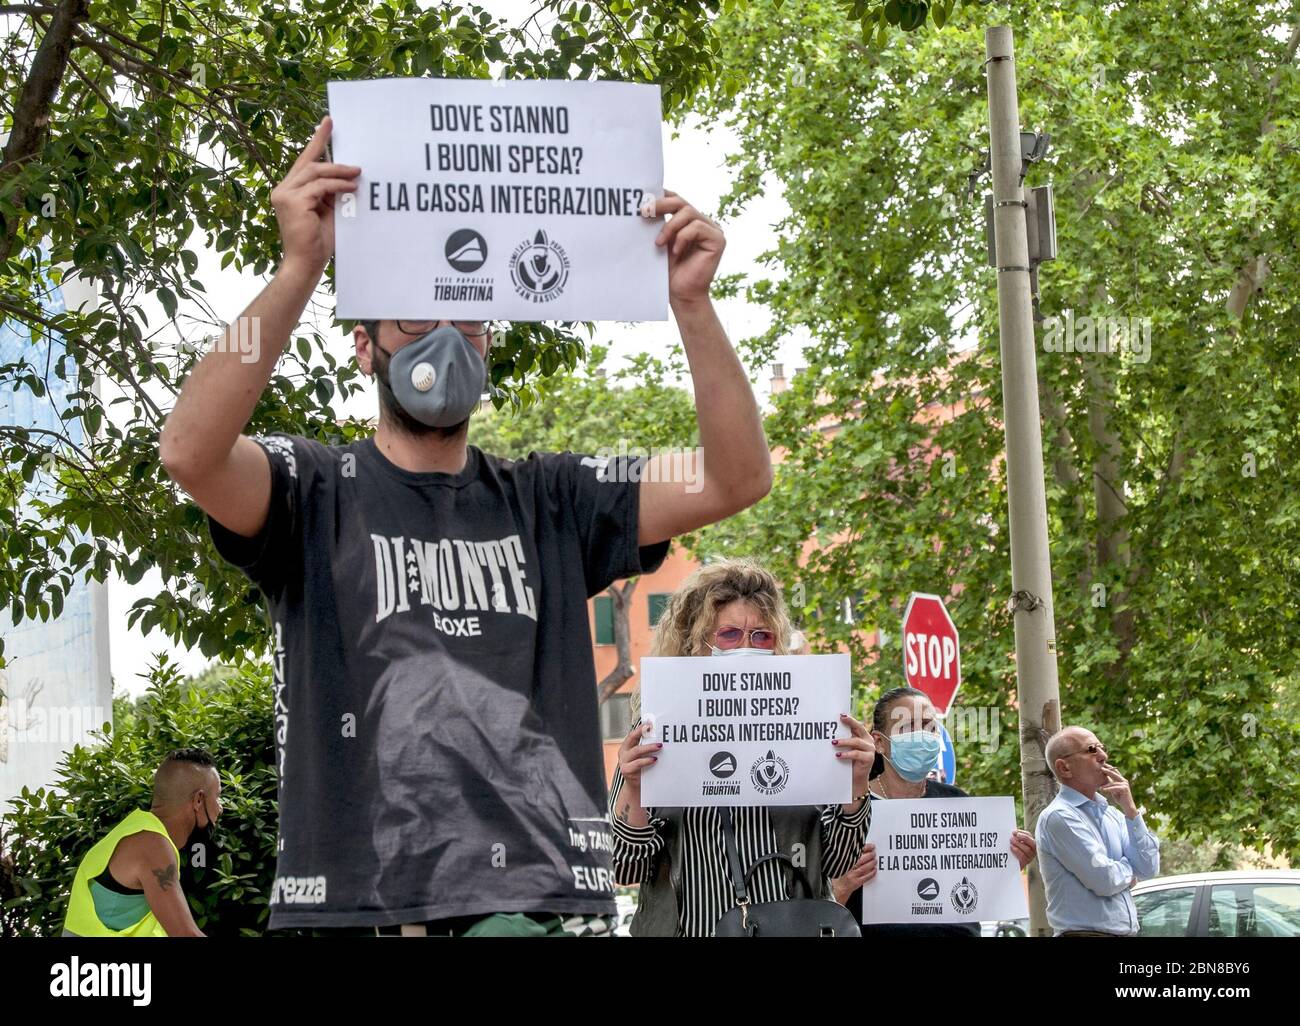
(435, 707)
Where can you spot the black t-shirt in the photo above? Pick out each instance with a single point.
(933, 789)
(436, 726)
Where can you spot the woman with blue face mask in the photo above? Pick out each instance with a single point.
(906, 731)
(678, 856)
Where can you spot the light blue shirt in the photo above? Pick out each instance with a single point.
(1089, 852)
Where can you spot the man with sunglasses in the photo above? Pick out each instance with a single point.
(1091, 852)
(436, 723)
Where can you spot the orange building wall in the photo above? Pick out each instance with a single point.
(677, 566)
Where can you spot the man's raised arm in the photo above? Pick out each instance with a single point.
(201, 444)
(733, 468)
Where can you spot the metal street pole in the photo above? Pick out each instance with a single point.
(1031, 571)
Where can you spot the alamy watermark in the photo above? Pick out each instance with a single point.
(966, 724)
(1070, 334)
(244, 337)
(77, 979)
(24, 723)
(657, 463)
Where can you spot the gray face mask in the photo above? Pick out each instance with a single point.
(439, 378)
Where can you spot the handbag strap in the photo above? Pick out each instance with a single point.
(798, 878)
(739, 875)
(733, 857)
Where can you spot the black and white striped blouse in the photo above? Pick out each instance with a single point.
(706, 892)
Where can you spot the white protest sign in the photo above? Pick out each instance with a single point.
(943, 860)
(746, 730)
(483, 199)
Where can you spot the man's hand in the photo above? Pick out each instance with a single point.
(695, 245)
(1118, 791)
(304, 202)
(1023, 847)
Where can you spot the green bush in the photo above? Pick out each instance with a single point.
(45, 834)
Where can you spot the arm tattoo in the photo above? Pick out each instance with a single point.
(165, 876)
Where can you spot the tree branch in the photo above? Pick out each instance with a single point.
(128, 67)
(32, 112)
(630, 41)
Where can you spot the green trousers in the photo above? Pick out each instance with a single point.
(516, 924)
(499, 924)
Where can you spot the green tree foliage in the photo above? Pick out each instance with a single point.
(140, 131)
(1173, 488)
(44, 834)
(635, 409)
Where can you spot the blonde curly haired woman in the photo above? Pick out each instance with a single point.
(678, 855)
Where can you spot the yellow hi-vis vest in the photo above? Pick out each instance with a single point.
(82, 920)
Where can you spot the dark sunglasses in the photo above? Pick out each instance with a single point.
(731, 637)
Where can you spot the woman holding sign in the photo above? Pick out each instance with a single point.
(906, 730)
(679, 856)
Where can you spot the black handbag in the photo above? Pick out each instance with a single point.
(795, 917)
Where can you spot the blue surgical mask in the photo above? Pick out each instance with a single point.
(439, 378)
(714, 650)
(914, 754)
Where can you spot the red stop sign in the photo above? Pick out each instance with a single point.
(931, 656)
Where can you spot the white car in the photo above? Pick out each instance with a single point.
(626, 905)
(1252, 903)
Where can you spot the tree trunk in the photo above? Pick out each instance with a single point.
(1065, 470)
(623, 669)
(1112, 540)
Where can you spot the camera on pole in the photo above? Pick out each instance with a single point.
(1039, 208)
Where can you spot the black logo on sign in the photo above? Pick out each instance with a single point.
(928, 889)
(723, 764)
(539, 268)
(466, 250)
(770, 774)
(964, 896)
